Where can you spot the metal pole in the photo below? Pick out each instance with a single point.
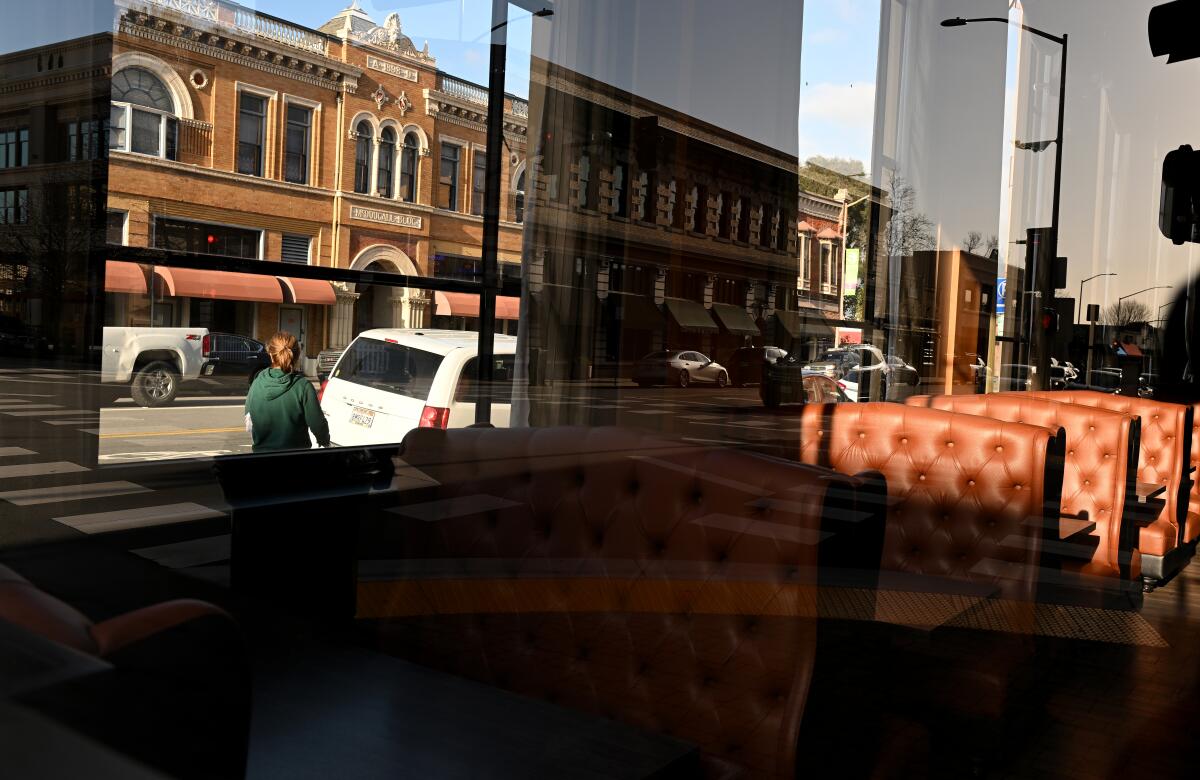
(1090, 350)
(1044, 278)
(491, 211)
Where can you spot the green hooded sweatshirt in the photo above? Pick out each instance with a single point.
(283, 407)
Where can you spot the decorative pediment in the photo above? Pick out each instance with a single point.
(390, 37)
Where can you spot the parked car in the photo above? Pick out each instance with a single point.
(153, 362)
(232, 361)
(390, 381)
(746, 364)
(785, 381)
(834, 363)
(326, 360)
(679, 367)
(849, 384)
(1062, 375)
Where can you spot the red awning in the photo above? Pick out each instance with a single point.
(220, 285)
(829, 234)
(1130, 350)
(805, 227)
(467, 305)
(124, 278)
(308, 291)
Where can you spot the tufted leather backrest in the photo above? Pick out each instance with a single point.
(1165, 438)
(1100, 467)
(970, 496)
(1191, 529)
(663, 584)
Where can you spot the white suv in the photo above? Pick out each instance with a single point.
(389, 381)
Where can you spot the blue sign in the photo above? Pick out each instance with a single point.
(1001, 287)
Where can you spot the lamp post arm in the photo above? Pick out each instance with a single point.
(1027, 28)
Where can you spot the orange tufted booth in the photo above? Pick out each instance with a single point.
(668, 585)
(970, 496)
(1099, 471)
(1166, 437)
(1191, 528)
(971, 501)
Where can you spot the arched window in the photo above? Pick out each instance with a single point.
(362, 158)
(143, 114)
(387, 157)
(519, 204)
(408, 168)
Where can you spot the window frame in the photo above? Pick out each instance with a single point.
(405, 151)
(269, 97)
(19, 145)
(364, 168)
(478, 179)
(456, 182)
(310, 140)
(385, 189)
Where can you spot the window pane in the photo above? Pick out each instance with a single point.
(147, 133)
(393, 368)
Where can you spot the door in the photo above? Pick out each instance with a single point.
(291, 319)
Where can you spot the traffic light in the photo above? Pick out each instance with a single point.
(1172, 30)
(1049, 321)
(1178, 212)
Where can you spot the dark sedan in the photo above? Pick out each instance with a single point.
(232, 361)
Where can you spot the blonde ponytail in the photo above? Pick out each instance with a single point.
(283, 350)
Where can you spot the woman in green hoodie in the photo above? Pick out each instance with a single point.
(282, 407)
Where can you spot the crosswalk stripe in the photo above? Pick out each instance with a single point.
(8, 452)
(40, 469)
(123, 519)
(43, 413)
(21, 405)
(70, 422)
(50, 495)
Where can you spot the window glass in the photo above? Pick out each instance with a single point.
(448, 177)
(363, 148)
(478, 178)
(409, 158)
(252, 111)
(115, 227)
(187, 236)
(519, 199)
(394, 368)
(297, 140)
(503, 369)
(141, 88)
(387, 157)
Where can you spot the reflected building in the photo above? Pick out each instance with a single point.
(650, 229)
(53, 109)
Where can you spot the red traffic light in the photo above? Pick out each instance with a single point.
(212, 239)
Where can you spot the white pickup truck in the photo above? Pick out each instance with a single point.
(153, 361)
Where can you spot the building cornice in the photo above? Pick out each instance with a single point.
(215, 41)
(95, 73)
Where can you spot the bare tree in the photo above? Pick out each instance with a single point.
(972, 242)
(992, 245)
(908, 230)
(1125, 312)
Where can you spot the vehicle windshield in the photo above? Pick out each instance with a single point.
(394, 368)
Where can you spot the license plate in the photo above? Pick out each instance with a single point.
(362, 417)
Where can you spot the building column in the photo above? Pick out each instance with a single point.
(660, 286)
(399, 301)
(341, 323)
(708, 290)
(602, 278)
(770, 308)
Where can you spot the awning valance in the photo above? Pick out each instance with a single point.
(122, 277)
(308, 291)
(798, 325)
(691, 316)
(636, 312)
(218, 285)
(806, 227)
(471, 250)
(735, 319)
(829, 234)
(450, 304)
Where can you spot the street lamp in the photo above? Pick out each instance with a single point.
(1139, 292)
(1038, 146)
(1081, 284)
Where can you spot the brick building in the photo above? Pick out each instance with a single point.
(238, 133)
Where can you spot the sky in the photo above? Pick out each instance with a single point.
(838, 51)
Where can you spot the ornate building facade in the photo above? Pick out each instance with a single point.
(238, 133)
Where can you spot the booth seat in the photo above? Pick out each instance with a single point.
(1191, 527)
(668, 585)
(971, 502)
(173, 688)
(1099, 470)
(1166, 444)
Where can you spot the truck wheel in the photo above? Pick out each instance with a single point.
(155, 384)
